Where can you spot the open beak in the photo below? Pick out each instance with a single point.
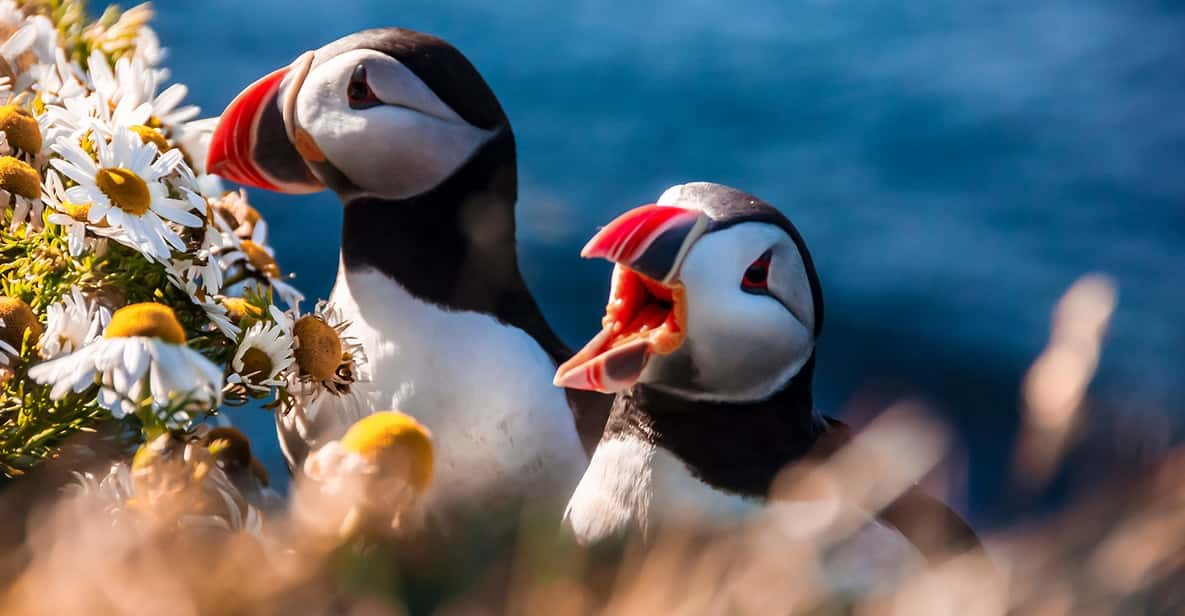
(647, 310)
(255, 141)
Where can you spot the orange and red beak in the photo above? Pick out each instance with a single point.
(647, 310)
(255, 141)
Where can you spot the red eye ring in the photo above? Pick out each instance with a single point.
(358, 91)
(756, 276)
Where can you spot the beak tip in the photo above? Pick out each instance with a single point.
(231, 146)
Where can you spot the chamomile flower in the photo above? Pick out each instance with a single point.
(202, 262)
(178, 271)
(20, 191)
(141, 358)
(22, 132)
(59, 81)
(16, 318)
(73, 217)
(263, 358)
(125, 191)
(231, 451)
(329, 362)
(259, 258)
(177, 478)
(33, 42)
(370, 478)
(148, 47)
(123, 34)
(132, 85)
(241, 217)
(71, 324)
(110, 492)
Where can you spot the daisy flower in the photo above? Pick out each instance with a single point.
(28, 43)
(260, 259)
(328, 361)
(141, 358)
(231, 451)
(22, 132)
(16, 317)
(125, 191)
(176, 478)
(71, 324)
(20, 190)
(73, 217)
(177, 271)
(241, 217)
(148, 48)
(112, 491)
(371, 478)
(203, 263)
(263, 358)
(132, 85)
(59, 80)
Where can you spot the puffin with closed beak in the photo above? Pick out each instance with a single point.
(708, 343)
(411, 138)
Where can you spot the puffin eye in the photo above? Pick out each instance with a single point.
(358, 91)
(756, 278)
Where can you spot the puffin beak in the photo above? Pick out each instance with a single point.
(647, 310)
(255, 141)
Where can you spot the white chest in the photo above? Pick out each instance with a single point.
(483, 389)
(631, 484)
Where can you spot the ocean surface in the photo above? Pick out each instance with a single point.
(954, 168)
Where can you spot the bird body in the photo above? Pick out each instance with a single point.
(405, 130)
(709, 344)
(491, 422)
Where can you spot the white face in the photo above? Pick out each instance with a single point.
(402, 142)
(743, 344)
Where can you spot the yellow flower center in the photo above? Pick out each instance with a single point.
(21, 128)
(230, 448)
(17, 317)
(18, 178)
(257, 366)
(260, 260)
(154, 122)
(148, 320)
(238, 309)
(87, 143)
(318, 349)
(151, 135)
(391, 435)
(126, 190)
(77, 211)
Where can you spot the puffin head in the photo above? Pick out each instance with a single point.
(387, 113)
(714, 297)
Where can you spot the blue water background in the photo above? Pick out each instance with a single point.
(954, 167)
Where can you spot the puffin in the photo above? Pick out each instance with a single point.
(708, 344)
(404, 129)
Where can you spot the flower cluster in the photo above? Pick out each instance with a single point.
(133, 288)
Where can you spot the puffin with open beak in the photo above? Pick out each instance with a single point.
(708, 343)
(407, 133)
